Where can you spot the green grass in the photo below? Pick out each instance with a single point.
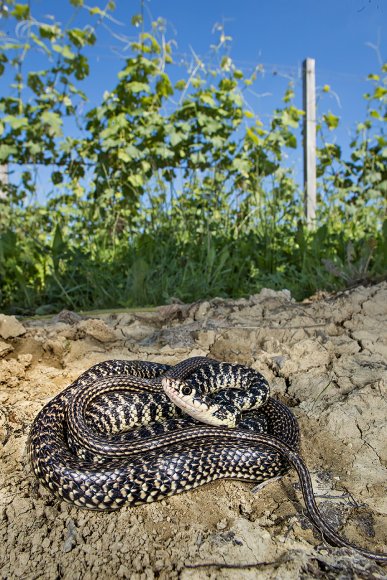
(157, 266)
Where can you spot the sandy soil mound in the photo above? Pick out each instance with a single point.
(326, 359)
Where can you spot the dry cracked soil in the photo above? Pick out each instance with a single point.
(325, 358)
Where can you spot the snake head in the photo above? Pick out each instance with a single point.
(197, 406)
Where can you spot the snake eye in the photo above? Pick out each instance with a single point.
(186, 390)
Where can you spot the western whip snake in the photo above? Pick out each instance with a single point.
(115, 437)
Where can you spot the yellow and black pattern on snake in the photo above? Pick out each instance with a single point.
(114, 438)
(82, 428)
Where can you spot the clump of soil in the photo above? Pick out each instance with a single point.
(326, 359)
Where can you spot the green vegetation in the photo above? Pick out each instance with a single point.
(172, 189)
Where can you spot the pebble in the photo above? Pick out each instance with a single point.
(10, 327)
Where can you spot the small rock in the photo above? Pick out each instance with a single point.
(137, 331)
(68, 317)
(71, 537)
(5, 348)
(169, 311)
(123, 572)
(205, 339)
(10, 327)
(25, 359)
(58, 346)
(98, 329)
(202, 311)
(268, 293)
(279, 361)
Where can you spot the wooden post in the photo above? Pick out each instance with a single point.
(309, 84)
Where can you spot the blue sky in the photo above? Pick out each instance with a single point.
(277, 33)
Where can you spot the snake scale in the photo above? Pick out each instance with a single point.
(132, 432)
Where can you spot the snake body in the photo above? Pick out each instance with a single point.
(114, 437)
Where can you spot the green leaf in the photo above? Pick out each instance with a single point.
(380, 92)
(34, 81)
(176, 137)
(252, 136)
(382, 187)
(81, 67)
(289, 95)
(21, 11)
(137, 20)
(155, 47)
(49, 31)
(133, 152)
(146, 166)
(163, 86)
(33, 148)
(217, 141)
(16, 122)
(137, 87)
(57, 177)
(81, 37)
(207, 99)
(136, 180)
(331, 121)
(7, 151)
(163, 152)
(289, 119)
(64, 51)
(291, 141)
(57, 242)
(180, 85)
(123, 156)
(241, 165)
(58, 246)
(96, 10)
(3, 60)
(226, 63)
(53, 120)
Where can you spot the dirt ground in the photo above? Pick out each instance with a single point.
(325, 358)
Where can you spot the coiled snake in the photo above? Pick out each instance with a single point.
(127, 432)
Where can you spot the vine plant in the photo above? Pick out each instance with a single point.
(169, 188)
